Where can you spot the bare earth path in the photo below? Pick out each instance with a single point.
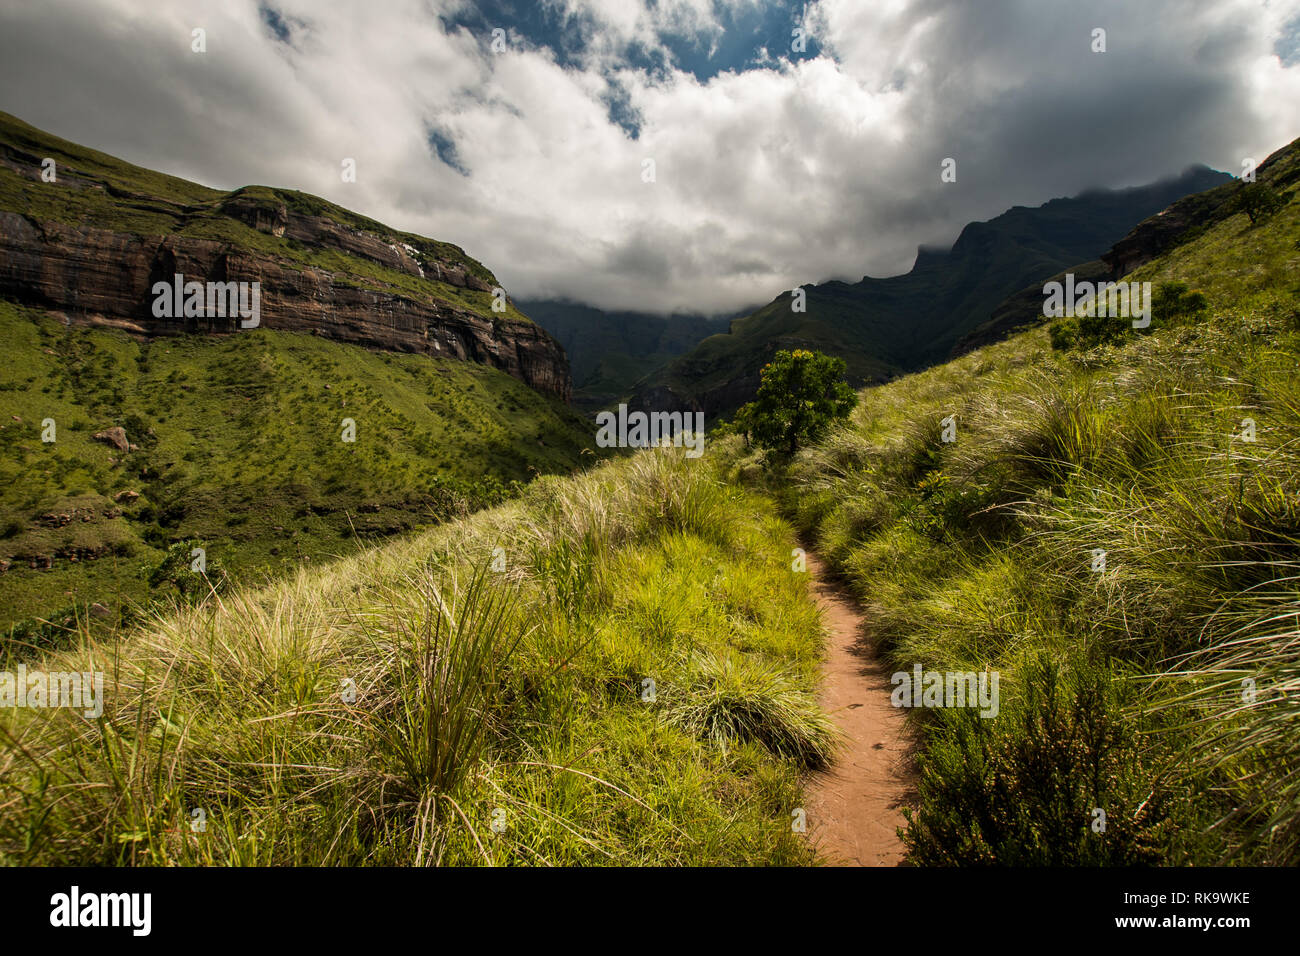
(854, 808)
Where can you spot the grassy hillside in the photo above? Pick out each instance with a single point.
(621, 666)
(240, 450)
(1158, 685)
(882, 327)
(410, 705)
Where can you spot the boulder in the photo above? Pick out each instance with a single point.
(115, 436)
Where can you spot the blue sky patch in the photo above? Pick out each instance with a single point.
(751, 37)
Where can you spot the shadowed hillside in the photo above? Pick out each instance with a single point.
(882, 327)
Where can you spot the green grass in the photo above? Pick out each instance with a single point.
(1123, 687)
(620, 667)
(240, 448)
(635, 685)
(616, 667)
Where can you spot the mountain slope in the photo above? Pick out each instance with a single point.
(881, 327)
(1161, 235)
(634, 686)
(235, 440)
(92, 243)
(1115, 532)
(239, 447)
(650, 696)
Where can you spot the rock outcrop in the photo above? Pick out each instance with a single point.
(115, 436)
(1167, 228)
(1190, 216)
(76, 247)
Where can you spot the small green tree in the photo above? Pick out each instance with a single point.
(1256, 200)
(743, 422)
(801, 394)
(179, 569)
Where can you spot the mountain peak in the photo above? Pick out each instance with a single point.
(881, 327)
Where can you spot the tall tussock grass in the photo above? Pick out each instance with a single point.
(1237, 694)
(474, 694)
(1127, 511)
(729, 701)
(438, 687)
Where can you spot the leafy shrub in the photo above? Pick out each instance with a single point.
(1061, 333)
(35, 635)
(176, 571)
(1172, 303)
(1257, 200)
(1023, 789)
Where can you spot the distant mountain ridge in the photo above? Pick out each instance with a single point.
(882, 327)
(1176, 225)
(609, 352)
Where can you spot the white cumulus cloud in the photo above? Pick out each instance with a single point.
(766, 175)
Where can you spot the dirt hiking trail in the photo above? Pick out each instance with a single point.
(855, 806)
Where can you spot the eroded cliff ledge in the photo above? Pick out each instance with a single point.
(91, 243)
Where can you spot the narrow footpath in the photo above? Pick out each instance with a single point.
(855, 807)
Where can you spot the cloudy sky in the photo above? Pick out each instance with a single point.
(522, 130)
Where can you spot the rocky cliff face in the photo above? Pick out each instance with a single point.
(1194, 214)
(1167, 228)
(91, 249)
